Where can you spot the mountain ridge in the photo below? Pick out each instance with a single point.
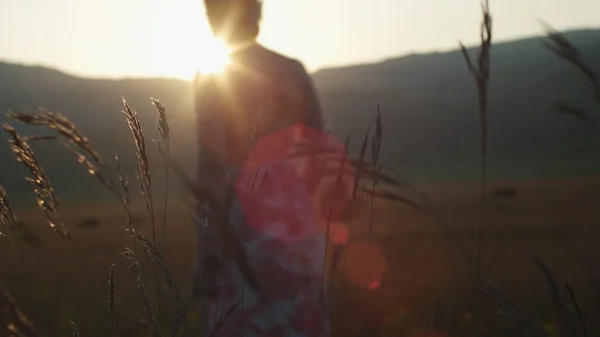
(570, 33)
(428, 104)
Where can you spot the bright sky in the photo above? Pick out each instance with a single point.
(118, 38)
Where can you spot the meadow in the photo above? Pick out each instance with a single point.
(427, 284)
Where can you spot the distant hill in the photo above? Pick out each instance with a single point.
(428, 103)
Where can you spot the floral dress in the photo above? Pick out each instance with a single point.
(262, 93)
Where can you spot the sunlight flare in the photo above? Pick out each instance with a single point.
(214, 57)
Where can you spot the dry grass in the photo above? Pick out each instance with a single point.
(164, 131)
(421, 259)
(144, 173)
(51, 206)
(124, 192)
(481, 74)
(8, 218)
(149, 321)
(70, 137)
(561, 47)
(46, 198)
(49, 203)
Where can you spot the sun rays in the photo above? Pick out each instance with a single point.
(214, 57)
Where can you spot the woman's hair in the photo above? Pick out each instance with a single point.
(238, 19)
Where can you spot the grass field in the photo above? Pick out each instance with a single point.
(427, 282)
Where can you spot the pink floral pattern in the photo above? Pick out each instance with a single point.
(291, 275)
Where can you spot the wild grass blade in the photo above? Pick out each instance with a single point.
(561, 47)
(156, 257)
(12, 320)
(164, 131)
(149, 320)
(568, 109)
(46, 198)
(74, 329)
(144, 172)
(129, 255)
(61, 125)
(70, 137)
(111, 299)
(389, 195)
(180, 316)
(360, 167)
(330, 204)
(124, 192)
(144, 175)
(564, 316)
(91, 168)
(558, 44)
(481, 74)
(364, 170)
(223, 318)
(578, 309)
(8, 218)
(375, 152)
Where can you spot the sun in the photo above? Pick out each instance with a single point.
(207, 56)
(214, 56)
(185, 43)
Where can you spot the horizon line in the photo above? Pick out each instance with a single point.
(311, 72)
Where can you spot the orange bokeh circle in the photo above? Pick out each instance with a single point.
(365, 266)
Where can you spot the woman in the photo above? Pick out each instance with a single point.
(261, 92)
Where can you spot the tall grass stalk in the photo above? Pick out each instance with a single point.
(330, 205)
(124, 192)
(375, 151)
(149, 321)
(77, 143)
(176, 298)
(481, 74)
(559, 45)
(144, 177)
(46, 198)
(69, 137)
(144, 172)
(163, 130)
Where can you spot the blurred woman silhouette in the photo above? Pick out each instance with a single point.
(258, 88)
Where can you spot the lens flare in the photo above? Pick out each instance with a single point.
(365, 266)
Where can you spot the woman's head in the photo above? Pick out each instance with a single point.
(234, 20)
